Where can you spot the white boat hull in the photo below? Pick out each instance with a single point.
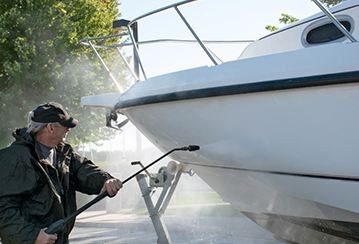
(286, 132)
(290, 218)
(278, 128)
(289, 152)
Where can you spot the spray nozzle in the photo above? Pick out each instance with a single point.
(191, 148)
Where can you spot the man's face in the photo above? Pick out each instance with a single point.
(60, 133)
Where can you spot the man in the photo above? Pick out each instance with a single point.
(39, 174)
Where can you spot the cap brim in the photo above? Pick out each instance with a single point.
(70, 123)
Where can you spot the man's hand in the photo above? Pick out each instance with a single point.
(43, 238)
(112, 186)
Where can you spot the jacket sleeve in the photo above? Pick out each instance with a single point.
(17, 179)
(88, 177)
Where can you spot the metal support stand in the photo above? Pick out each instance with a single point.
(156, 211)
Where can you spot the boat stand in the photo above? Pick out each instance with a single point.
(148, 184)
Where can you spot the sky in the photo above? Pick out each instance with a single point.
(211, 20)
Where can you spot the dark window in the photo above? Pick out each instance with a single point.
(326, 33)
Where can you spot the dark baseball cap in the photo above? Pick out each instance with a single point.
(53, 112)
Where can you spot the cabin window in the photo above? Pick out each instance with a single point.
(326, 33)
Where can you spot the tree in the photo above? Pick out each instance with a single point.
(285, 19)
(330, 3)
(41, 60)
(288, 19)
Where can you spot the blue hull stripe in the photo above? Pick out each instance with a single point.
(265, 86)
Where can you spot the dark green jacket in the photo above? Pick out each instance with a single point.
(33, 194)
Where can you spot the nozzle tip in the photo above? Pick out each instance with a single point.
(193, 148)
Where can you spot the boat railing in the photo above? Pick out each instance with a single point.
(213, 57)
(175, 6)
(335, 21)
(88, 42)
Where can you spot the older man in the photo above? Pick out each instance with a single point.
(39, 174)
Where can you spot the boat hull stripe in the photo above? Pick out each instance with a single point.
(317, 176)
(265, 86)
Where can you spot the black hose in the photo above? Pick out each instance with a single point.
(59, 225)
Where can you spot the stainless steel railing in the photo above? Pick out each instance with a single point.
(335, 21)
(214, 58)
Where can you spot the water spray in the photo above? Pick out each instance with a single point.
(60, 224)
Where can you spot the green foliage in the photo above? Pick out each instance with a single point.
(271, 28)
(41, 61)
(288, 19)
(198, 197)
(285, 19)
(330, 3)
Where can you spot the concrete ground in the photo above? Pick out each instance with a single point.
(100, 228)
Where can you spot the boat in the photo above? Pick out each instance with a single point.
(278, 127)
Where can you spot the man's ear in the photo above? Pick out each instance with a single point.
(50, 127)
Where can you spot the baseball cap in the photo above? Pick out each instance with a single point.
(53, 112)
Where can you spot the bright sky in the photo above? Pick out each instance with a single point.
(212, 20)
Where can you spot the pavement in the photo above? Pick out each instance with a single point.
(99, 227)
(238, 226)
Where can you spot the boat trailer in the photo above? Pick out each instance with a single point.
(166, 178)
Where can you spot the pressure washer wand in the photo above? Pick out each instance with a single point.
(60, 224)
